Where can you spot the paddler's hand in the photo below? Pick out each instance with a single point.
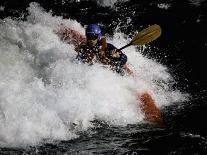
(115, 54)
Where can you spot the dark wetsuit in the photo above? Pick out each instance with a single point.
(87, 54)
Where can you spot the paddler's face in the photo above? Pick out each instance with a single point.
(92, 40)
(92, 43)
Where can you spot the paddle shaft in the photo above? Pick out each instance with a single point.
(124, 46)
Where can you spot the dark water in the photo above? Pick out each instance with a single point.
(181, 47)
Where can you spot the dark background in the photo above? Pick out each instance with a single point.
(182, 46)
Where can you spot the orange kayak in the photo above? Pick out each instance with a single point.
(148, 107)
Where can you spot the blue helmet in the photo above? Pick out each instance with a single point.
(93, 31)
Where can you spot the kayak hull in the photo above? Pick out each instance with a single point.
(148, 107)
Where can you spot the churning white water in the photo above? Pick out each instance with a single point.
(44, 90)
(109, 3)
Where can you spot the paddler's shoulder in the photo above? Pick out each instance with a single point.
(106, 44)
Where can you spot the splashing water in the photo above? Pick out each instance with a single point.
(44, 90)
(103, 3)
(196, 2)
(109, 3)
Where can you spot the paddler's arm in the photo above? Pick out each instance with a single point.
(121, 57)
(123, 60)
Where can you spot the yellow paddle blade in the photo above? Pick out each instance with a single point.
(147, 35)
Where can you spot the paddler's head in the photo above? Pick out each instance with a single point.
(93, 34)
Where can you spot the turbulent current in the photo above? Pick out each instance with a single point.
(47, 95)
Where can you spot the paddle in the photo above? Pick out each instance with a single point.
(145, 36)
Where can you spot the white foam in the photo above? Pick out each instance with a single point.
(103, 3)
(196, 2)
(2, 8)
(163, 6)
(44, 90)
(109, 3)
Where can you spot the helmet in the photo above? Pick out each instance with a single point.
(93, 31)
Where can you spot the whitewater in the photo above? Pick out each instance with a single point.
(47, 95)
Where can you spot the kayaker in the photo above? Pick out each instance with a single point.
(96, 49)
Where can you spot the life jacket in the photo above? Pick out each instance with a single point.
(85, 54)
(95, 54)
